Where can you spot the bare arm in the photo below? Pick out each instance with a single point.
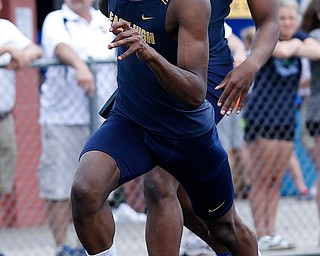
(7, 48)
(287, 48)
(238, 82)
(310, 48)
(188, 80)
(33, 52)
(68, 57)
(21, 58)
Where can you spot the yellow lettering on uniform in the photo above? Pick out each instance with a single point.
(143, 34)
(136, 28)
(146, 35)
(115, 19)
(150, 38)
(111, 15)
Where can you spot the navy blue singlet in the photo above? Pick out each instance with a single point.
(141, 97)
(188, 146)
(220, 60)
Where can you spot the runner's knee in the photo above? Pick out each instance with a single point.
(158, 190)
(223, 233)
(85, 198)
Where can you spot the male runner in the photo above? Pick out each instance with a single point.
(164, 212)
(159, 117)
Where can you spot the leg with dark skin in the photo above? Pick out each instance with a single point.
(164, 212)
(231, 232)
(96, 177)
(192, 222)
(163, 215)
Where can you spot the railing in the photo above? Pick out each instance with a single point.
(25, 232)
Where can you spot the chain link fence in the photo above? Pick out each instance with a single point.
(23, 224)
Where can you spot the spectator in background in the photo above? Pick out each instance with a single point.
(16, 52)
(247, 35)
(73, 34)
(311, 24)
(297, 175)
(270, 123)
(294, 164)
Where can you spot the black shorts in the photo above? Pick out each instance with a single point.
(200, 164)
(271, 132)
(313, 128)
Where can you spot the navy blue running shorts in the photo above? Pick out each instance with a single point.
(213, 99)
(272, 132)
(200, 164)
(216, 73)
(313, 128)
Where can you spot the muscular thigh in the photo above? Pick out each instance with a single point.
(124, 142)
(201, 166)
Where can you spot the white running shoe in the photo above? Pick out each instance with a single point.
(124, 214)
(279, 243)
(264, 243)
(313, 191)
(192, 245)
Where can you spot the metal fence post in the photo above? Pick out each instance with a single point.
(93, 100)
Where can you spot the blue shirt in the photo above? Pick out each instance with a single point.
(272, 100)
(141, 97)
(221, 60)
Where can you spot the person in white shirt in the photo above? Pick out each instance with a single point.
(73, 34)
(16, 51)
